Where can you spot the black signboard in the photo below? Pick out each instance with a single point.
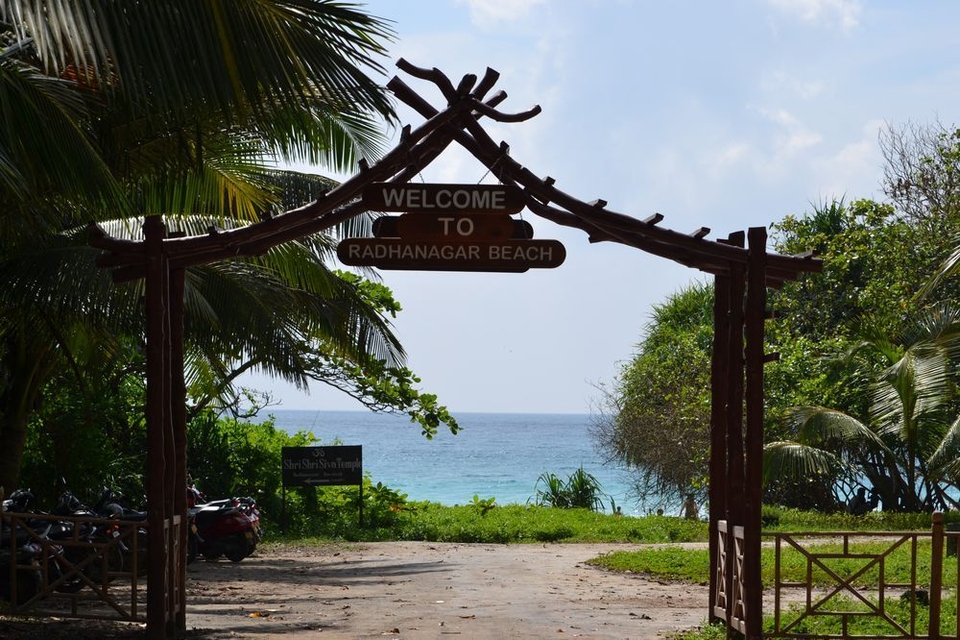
(318, 466)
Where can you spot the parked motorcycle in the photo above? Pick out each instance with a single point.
(17, 548)
(33, 545)
(109, 504)
(87, 545)
(229, 527)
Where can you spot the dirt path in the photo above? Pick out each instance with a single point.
(430, 590)
(413, 590)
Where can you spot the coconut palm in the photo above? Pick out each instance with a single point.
(904, 448)
(180, 108)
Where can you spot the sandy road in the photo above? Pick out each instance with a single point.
(431, 590)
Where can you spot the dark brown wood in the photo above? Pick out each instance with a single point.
(719, 368)
(178, 413)
(487, 226)
(387, 227)
(936, 575)
(755, 315)
(734, 411)
(157, 312)
(441, 255)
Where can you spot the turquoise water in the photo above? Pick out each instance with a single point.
(498, 455)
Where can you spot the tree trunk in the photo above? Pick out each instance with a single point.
(28, 371)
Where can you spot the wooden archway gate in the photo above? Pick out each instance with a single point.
(740, 264)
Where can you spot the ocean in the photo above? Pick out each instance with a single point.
(499, 455)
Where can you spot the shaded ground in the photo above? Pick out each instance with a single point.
(415, 590)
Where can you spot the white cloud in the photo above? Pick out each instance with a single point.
(794, 137)
(799, 141)
(854, 168)
(782, 82)
(779, 116)
(730, 156)
(487, 13)
(844, 14)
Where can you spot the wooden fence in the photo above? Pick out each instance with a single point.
(846, 585)
(75, 575)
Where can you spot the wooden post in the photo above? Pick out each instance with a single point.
(735, 469)
(166, 440)
(936, 575)
(755, 312)
(178, 486)
(718, 426)
(157, 311)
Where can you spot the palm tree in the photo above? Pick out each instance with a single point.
(906, 447)
(182, 108)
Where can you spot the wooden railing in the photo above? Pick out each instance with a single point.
(76, 576)
(848, 577)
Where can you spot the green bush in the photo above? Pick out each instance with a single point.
(581, 491)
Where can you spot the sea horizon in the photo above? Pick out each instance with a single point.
(496, 454)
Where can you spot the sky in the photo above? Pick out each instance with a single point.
(726, 115)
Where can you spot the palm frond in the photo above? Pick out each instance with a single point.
(818, 425)
(795, 460)
(60, 283)
(325, 135)
(946, 458)
(947, 269)
(41, 142)
(240, 55)
(914, 386)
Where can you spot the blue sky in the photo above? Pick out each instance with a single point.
(726, 115)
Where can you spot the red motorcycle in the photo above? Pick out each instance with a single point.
(228, 527)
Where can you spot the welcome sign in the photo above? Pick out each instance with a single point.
(450, 227)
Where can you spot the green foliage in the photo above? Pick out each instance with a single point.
(90, 435)
(383, 387)
(483, 505)
(150, 127)
(580, 491)
(505, 524)
(903, 449)
(775, 518)
(716, 631)
(858, 279)
(228, 457)
(660, 406)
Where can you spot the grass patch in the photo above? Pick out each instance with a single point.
(432, 522)
(670, 563)
(693, 565)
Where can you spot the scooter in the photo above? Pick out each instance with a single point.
(228, 527)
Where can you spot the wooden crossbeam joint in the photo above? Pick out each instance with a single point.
(654, 219)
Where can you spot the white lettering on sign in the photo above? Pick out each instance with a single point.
(414, 252)
(533, 253)
(464, 226)
(407, 197)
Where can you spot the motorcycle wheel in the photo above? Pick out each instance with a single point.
(237, 548)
